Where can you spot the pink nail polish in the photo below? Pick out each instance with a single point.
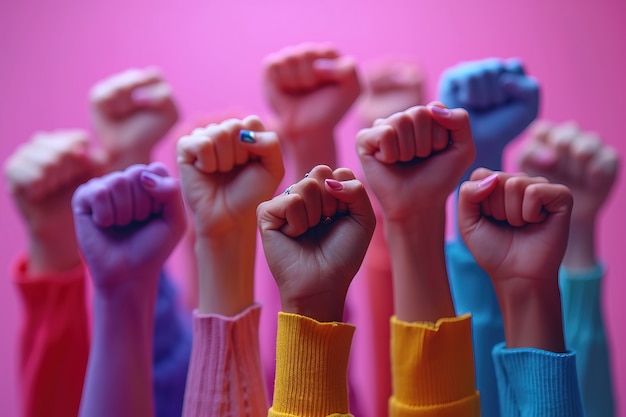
(148, 179)
(486, 182)
(440, 111)
(335, 185)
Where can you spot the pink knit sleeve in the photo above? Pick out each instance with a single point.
(225, 377)
(53, 341)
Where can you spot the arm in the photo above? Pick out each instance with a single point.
(516, 227)
(54, 341)
(227, 169)
(565, 154)
(315, 237)
(310, 87)
(131, 112)
(501, 100)
(137, 218)
(413, 160)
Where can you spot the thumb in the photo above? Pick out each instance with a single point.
(166, 190)
(354, 195)
(471, 195)
(266, 146)
(456, 121)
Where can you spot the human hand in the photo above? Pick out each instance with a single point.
(225, 176)
(131, 112)
(390, 86)
(127, 224)
(566, 155)
(42, 176)
(516, 226)
(415, 158)
(314, 259)
(310, 87)
(501, 101)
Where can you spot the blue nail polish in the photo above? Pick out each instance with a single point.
(247, 136)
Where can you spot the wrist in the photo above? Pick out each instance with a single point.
(226, 272)
(324, 308)
(54, 257)
(580, 253)
(531, 310)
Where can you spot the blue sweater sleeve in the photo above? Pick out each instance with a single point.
(537, 383)
(584, 334)
(473, 293)
(172, 349)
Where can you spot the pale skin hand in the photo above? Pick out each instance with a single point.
(566, 155)
(310, 87)
(516, 227)
(390, 86)
(224, 179)
(131, 112)
(412, 161)
(42, 176)
(312, 263)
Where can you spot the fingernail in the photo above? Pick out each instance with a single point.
(486, 182)
(148, 179)
(335, 185)
(247, 136)
(440, 111)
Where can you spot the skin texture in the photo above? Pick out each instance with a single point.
(136, 217)
(224, 179)
(566, 155)
(310, 87)
(42, 175)
(312, 263)
(131, 112)
(412, 161)
(516, 227)
(390, 86)
(501, 101)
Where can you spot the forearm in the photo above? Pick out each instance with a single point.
(54, 254)
(225, 372)
(433, 369)
(226, 272)
(311, 368)
(421, 288)
(119, 374)
(54, 340)
(580, 253)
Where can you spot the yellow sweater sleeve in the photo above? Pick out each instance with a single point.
(311, 367)
(433, 369)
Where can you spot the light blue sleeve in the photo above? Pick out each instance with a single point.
(473, 293)
(583, 323)
(537, 383)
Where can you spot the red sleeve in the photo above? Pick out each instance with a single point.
(53, 341)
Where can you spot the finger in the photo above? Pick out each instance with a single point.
(239, 152)
(380, 141)
(519, 87)
(197, 150)
(265, 147)
(544, 199)
(514, 189)
(406, 137)
(471, 196)
(101, 205)
(329, 204)
(456, 121)
(422, 126)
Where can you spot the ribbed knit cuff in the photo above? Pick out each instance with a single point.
(433, 369)
(311, 367)
(225, 374)
(537, 383)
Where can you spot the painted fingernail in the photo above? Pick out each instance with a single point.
(486, 182)
(148, 179)
(440, 111)
(335, 185)
(247, 136)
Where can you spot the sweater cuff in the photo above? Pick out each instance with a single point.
(537, 382)
(433, 368)
(311, 367)
(225, 374)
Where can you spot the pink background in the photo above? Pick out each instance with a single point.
(210, 51)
